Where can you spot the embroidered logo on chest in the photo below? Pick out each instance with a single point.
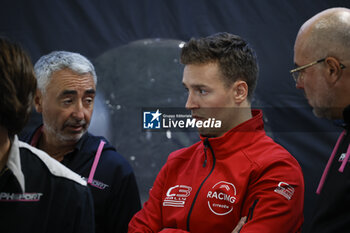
(96, 183)
(20, 197)
(342, 157)
(221, 198)
(176, 196)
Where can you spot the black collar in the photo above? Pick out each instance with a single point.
(346, 116)
(345, 122)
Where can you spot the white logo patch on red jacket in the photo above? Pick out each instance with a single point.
(176, 196)
(285, 190)
(221, 198)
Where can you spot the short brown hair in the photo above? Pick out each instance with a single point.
(236, 59)
(17, 86)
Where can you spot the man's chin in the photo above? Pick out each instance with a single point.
(322, 113)
(210, 133)
(72, 137)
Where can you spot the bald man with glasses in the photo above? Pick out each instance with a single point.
(321, 56)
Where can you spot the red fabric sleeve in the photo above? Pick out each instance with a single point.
(168, 230)
(149, 218)
(274, 211)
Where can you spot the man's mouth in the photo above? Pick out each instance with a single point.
(76, 128)
(198, 118)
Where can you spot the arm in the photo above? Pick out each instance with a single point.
(85, 218)
(124, 203)
(278, 193)
(149, 218)
(240, 224)
(169, 230)
(120, 200)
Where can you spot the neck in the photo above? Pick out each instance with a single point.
(55, 148)
(245, 114)
(242, 115)
(341, 100)
(4, 147)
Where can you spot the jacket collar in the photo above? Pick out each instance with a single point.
(345, 122)
(14, 162)
(346, 115)
(238, 137)
(39, 131)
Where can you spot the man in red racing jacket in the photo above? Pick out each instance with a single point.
(234, 171)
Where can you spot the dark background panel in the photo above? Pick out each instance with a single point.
(134, 45)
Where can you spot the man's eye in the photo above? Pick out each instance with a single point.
(89, 100)
(67, 101)
(203, 92)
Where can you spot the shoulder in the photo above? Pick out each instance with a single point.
(110, 158)
(266, 152)
(185, 153)
(53, 167)
(273, 162)
(115, 161)
(27, 134)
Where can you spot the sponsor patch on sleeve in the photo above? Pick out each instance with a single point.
(285, 190)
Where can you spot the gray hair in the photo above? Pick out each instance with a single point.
(59, 60)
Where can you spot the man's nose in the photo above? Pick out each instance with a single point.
(300, 83)
(191, 103)
(78, 111)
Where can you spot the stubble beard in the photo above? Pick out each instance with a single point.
(64, 138)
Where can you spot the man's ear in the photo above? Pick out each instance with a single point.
(240, 91)
(334, 70)
(38, 101)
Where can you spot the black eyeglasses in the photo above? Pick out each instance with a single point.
(296, 72)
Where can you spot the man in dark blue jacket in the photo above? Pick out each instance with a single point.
(322, 57)
(37, 193)
(65, 98)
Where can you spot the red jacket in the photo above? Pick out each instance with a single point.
(210, 185)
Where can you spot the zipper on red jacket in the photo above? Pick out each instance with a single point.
(251, 210)
(206, 145)
(205, 156)
(250, 213)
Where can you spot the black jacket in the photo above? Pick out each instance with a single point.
(38, 194)
(332, 212)
(114, 188)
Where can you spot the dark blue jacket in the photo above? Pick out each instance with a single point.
(38, 194)
(114, 188)
(332, 210)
